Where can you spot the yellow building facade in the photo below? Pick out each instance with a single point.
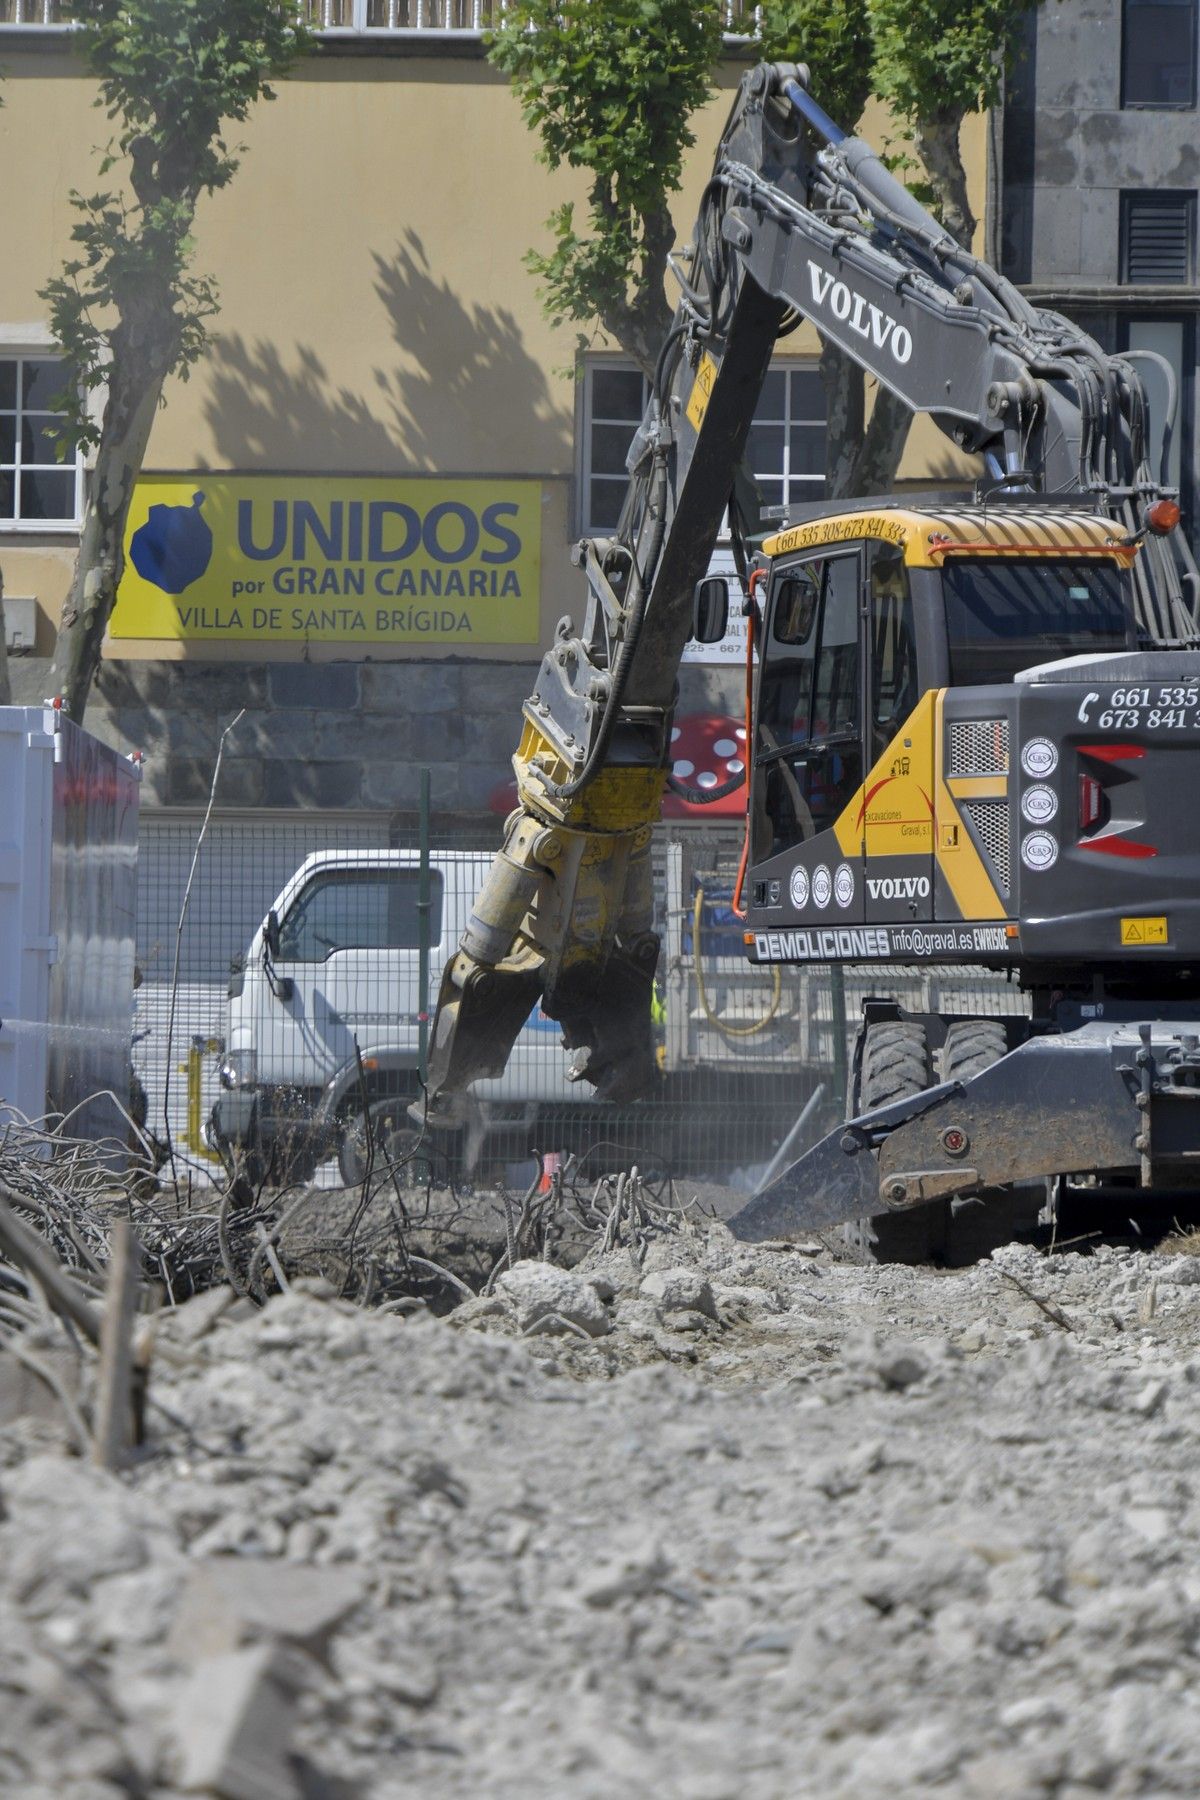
(381, 374)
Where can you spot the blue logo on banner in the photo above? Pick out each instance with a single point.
(174, 547)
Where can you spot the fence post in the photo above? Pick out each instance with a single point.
(837, 1003)
(423, 910)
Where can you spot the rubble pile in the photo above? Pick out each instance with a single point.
(717, 1523)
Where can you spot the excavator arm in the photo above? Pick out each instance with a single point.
(797, 220)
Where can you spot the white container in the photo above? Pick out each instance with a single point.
(68, 895)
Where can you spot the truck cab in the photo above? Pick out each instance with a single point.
(327, 1009)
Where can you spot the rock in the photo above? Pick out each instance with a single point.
(196, 1317)
(897, 1365)
(1178, 1271)
(484, 1306)
(233, 1726)
(639, 1573)
(679, 1289)
(1149, 1399)
(554, 1300)
(229, 1602)
(687, 1320)
(746, 1299)
(68, 1526)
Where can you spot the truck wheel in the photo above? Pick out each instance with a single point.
(971, 1046)
(894, 1066)
(396, 1141)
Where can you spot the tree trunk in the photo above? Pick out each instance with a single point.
(844, 388)
(937, 139)
(883, 444)
(861, 454)
(135, 387)
(5, 686)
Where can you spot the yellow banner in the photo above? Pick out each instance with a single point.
(281, 559)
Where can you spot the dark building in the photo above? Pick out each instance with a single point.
(1101, 166)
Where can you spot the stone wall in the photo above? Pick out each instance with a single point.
(326, 736)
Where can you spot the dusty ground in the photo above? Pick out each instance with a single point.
(782, 1528)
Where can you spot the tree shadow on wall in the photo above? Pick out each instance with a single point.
(466, 385)
(462, 386)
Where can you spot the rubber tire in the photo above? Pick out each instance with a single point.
(974, 1231)
(895, 1065)
(971, 1046)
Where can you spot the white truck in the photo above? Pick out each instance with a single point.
(325, 1015)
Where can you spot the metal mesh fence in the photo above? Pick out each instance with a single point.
(287, 1027)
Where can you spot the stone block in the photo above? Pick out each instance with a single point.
(281, 736)
(421, 688)
(233, 1726)
(230, 1602)
(29, 679)
(316, 784)
(189, 780)
(314, 685)
(398, 784)
(377, 737)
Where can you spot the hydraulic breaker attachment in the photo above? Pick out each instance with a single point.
(563, 918)
(1115, 1100)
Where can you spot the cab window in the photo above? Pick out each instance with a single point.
(358, 909)
(894, 686)
(809, 745)
(1005, 614)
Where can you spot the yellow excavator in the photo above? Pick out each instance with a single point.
(975, 734)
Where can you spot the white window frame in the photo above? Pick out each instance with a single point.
(34, 344)
(794, 486)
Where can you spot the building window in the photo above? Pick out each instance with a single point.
(35, 488)
(1158, 235)
(1158, 53)
(786, 447)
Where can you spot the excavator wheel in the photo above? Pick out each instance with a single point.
(895, 1065)
(971, 1046)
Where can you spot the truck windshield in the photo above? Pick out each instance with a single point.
(1004, 614)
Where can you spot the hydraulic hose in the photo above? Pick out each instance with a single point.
(733, 1031)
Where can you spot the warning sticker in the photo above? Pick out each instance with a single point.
(697, 406)
(1144, 931)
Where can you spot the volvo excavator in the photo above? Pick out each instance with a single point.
(975, 731)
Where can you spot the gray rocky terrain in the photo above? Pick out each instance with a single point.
(730, 1525)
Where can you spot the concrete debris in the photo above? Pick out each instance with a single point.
(554, 1300)
(233, 1725)
(231, 1601)
(735, 1524)
(679, 1290)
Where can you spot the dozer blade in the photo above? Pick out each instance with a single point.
(1117, 1099)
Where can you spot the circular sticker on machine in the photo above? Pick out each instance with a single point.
(843, 885)
(1039, 758)
(798, 888)
(1039, 804)
(1039, 850)
(822, 886)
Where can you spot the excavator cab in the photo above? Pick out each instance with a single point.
(882, 795)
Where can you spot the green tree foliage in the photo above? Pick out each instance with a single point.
(129, 309)
(835, 40)
(935, 62)
(609, 86)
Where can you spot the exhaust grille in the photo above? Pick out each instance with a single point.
(978, 747)
(989, 822)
